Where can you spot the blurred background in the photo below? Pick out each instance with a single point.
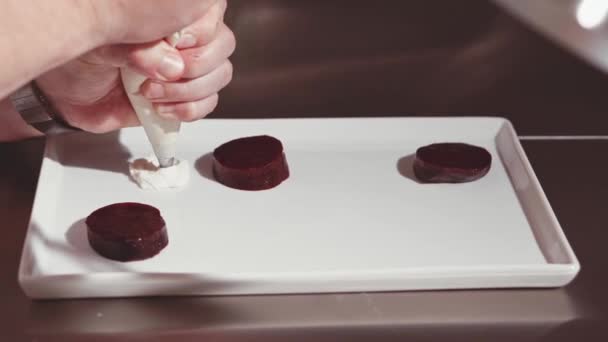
(433, 57)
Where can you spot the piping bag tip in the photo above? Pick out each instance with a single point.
(167, 162)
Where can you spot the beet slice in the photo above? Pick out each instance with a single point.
(251, 163)
(451, 163)
(127, 231)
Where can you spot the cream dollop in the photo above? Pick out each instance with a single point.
(147, 173)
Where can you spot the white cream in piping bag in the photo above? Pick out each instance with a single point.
(162, 133)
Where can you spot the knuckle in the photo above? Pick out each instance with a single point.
(214, 100)
(228, 72)
(214, 103)
(226, 67)
(196, 58)
(209, 105)
(198, 65)
(200, 109)
(223, 6)
(207, 31)
(188, 111)
(198, 62)
(177, 91)
(226, 31)
(232, 41)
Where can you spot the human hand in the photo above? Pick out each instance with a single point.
(183, 83)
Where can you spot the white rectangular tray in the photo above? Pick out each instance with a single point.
(351, 217)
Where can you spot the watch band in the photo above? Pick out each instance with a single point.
(38, 111)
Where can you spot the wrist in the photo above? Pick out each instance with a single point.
(37, 111)
(54, 89)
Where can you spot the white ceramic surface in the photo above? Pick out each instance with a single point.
(351, 217)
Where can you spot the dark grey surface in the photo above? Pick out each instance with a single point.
(573, 174)
(399, 57)
(339, 57)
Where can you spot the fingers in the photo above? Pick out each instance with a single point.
(191, 89)
(137, 21)
(160, 61)
(189, 111)
(202, 60)
(207, 68)
(207, 71)
(183, 82)
(203, 31)
(156, 60)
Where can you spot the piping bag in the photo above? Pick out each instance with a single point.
(162, 133)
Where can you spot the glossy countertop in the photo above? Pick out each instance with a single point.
(319, 58)
(572, 173)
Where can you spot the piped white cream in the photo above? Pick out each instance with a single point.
(147, 173)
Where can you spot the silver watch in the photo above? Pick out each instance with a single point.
(38, 111)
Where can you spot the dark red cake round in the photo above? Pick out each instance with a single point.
(127, 231)
(251, 163)
(451, 163)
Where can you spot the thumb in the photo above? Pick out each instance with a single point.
(157, 60)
